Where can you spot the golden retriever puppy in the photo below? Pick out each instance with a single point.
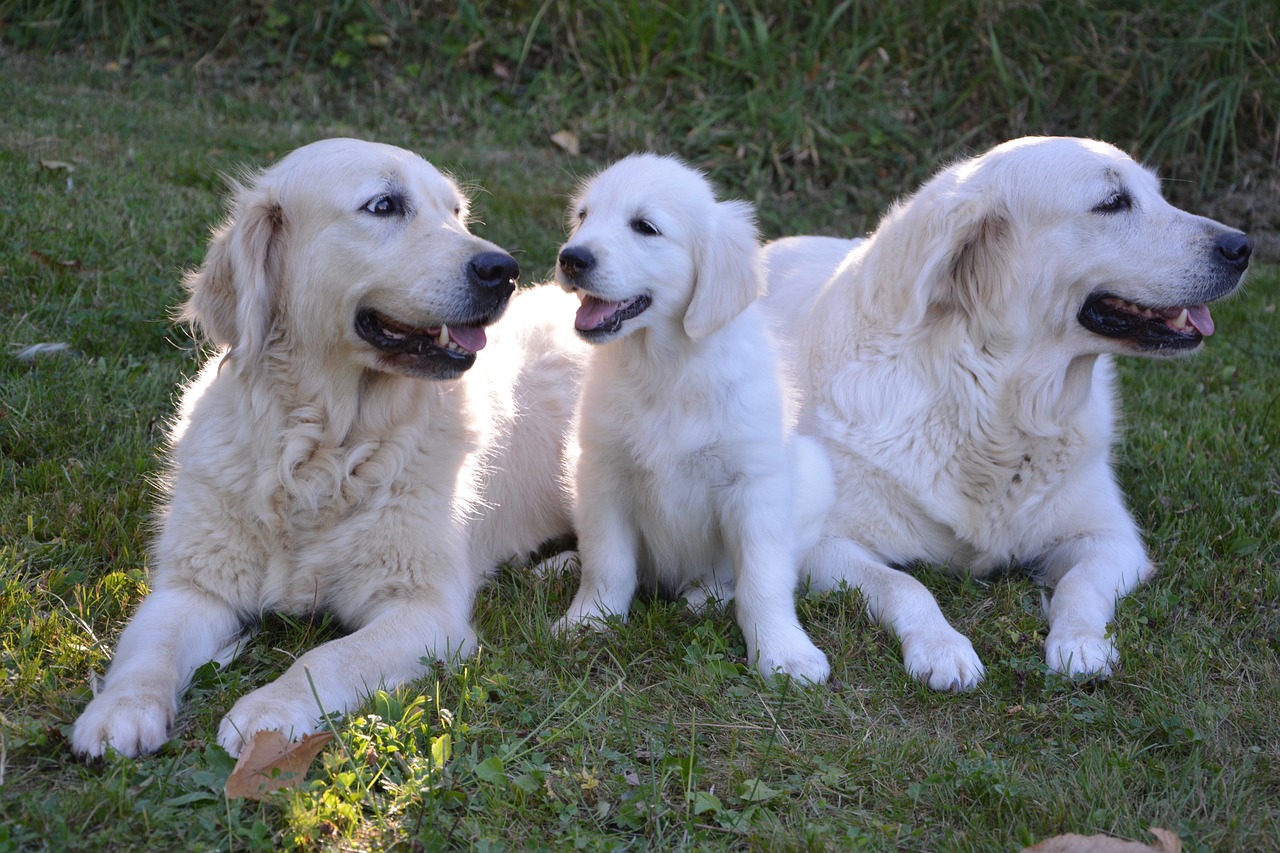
(956, 366)
(340, 453)
(688, 480)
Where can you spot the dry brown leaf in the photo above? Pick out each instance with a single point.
(270, 761)
(568, 140)
(57, 166)
(1166, 842)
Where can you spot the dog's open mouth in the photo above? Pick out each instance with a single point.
(1182, 327)
(428, 350)
(597, 318)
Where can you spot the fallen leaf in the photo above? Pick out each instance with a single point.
(1166, 842)
(50, 261)
(270, 761)
(567, 140)
(57, 165)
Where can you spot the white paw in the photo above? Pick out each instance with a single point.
(557, 564)
(943, 660)
(572, 624)
(131, 724)
(798, 658)
(267, 709)
(1080, 654)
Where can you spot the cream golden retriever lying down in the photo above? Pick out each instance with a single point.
(341, 453)
(956, 366)
(687, 480)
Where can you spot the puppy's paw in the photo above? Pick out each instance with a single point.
(266, 709)
(1080, 654)
(131, 724)
(574, 624)
(798, 658)
(563, 563)
(944, 660)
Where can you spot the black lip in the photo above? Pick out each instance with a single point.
(1149, 334)
(613, 323)
(414, 351)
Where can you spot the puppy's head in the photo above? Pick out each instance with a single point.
(1070, 239)
(354, 251)
(650, 247)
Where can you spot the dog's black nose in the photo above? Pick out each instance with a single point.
(1235, 248)
(575, 261)
(489, 270)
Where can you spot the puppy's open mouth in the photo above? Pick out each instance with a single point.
(1182, 327)
(435, 351)
(598, 319)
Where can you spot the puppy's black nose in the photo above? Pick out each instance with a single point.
(575, 261)
(1235, 248)
(493, 270)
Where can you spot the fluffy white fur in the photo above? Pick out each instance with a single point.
(688, 480)
(329, 459)
(956, 367)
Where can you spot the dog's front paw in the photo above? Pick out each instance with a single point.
(263, 710)
(132, 724)
(1080, 654)
(572, 624)
(944, 661)
(798, 658)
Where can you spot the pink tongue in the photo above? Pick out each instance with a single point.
(1199, 317)
(593, 312)
(471, 338)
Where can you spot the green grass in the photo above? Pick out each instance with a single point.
(658, 736)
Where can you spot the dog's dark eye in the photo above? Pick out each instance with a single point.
(1115, 203)
(582, 215)
(644, 227)
(386, 205)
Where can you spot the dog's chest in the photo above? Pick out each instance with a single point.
(1000, 501)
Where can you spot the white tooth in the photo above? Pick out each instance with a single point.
(443, 338)
(1180, 322)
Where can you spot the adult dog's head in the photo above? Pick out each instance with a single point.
(355, 251)
(650, 247)
(1062, 238)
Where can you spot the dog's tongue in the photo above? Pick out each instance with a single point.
(1198, 316)
(593, 313)
(471, 338)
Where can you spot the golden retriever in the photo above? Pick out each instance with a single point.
(340, 453)
(956, 366)
(688, 480)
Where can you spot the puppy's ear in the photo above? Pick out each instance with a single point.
(730, 275)
(233, 294)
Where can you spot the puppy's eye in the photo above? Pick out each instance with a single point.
(386, 205)
(644, 227)
(457, 210)
(582, 215)
(1117, 202)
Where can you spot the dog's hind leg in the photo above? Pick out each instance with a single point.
(932, 650)
(175, 630)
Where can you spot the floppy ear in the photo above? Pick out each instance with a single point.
(233, 294)
(730, 275)
(959, 244)
(979, 267)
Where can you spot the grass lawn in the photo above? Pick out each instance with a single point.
(660, 735)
